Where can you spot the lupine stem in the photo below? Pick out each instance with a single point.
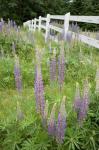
(52, 122)
(17, 75)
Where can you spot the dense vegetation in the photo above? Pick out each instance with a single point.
(23, 10)
(21, 127)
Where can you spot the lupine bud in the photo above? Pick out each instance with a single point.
(61, 124)
(97, 81)
(61, 68)
(17, 75)
(85, 102)
(52, 122)
(77, 101)
(39, 91)
(53, 67)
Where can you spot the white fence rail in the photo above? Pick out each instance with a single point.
(39, 24)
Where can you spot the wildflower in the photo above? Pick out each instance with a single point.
(17, 75)
(75, 27)
(11, 23)
(97, 81)
(61, 68)
(85, 102)
(61, 124)
(69, 37)
(53, 67)
(39, 91)
(77, 101)
(61, 36)
(52, 122)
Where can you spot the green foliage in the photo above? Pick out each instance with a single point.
(22, 10)
(29, 133)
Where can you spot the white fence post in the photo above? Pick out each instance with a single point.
(66, 24)
(29, 24)
(34, 24)
(39, 23)
(47, 27)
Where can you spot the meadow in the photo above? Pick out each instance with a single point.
(41, 86)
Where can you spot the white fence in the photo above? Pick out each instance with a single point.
(45, 24)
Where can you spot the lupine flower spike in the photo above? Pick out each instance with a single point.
(61, 68)
(39, 91)
(52, 122)
(53, 67)
(61, 124)
(69, 37)
(17, 75)
(77, 101)
(84, 103)
(97, 81)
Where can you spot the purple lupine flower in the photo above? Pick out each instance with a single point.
(39, 91)
(53, 67)
(11, 23)
(61, 124)
(17, 75)
(61, 36)
(75, 27)
(85, 103)
(8, 22)
(61, 68)
(14, 23)
(2, 21)
(1, 24)
(77, 101)
(52, 122)
(69, 37)
(97, 81)
(13, 48)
